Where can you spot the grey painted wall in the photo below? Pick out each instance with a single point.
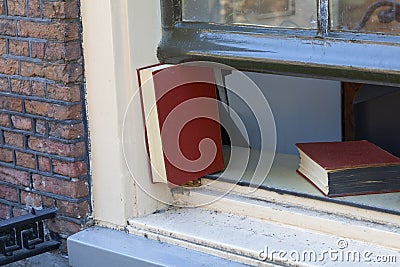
(304, 109)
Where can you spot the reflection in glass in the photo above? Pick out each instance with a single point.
(275, 13)
(379, 16)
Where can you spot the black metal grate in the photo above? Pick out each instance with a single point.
(23, 236)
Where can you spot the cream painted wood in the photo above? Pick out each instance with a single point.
(118, 37)
(314, 204)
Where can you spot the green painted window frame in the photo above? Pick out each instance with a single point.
(344, 56)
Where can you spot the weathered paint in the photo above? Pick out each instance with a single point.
(241, 238)
(339, 56)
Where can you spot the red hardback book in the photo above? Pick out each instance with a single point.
(182, 122)
(349, 168)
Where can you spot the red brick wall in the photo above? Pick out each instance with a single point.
(43, 133)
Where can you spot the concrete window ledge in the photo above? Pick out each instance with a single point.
(104, 247)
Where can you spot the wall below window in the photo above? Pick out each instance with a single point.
(43, 133)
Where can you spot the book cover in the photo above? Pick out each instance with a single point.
(349, 168)
(182, 122)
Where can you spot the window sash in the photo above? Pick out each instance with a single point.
(345, 56)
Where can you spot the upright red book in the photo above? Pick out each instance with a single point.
(182, 122)
(349, 168)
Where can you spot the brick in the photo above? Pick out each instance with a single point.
(22, 123)
(66, 93)
(4, 86)
(57, 148)
(41, 127)
(37, 49)
(10, 103)
(55, 51)
(63, 51)
(38, 89)
(63, 227)
(2, 8)
(34, 8)
(57, 72)
(62, 31)
(14, 139)
(19, 48)
(70, 209)
(55, 111)
(14, 176)
(8, 66)
(25, 160)
(3, 46)
(76, 210)
(19, 211)
(6, 155)
(69, 131)
(20, 87)
(8, 193)
(61, 10)
(31, 199)
(4, 120)
(4, 211)
(66, 73)
(8, 27)
(44, 164)
(70, 169)
(73, 50)
(72, 189)
(49, 202)
(17, 7)
(32, 69)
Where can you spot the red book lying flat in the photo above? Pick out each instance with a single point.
(349, 168)
(182, 122)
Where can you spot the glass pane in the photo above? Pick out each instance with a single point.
(275, 13)
(368, 16)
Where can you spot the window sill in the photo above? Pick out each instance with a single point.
(239, 224)
(239, 228)
(284, 182)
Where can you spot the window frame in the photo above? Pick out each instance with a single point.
(344, 56)
(110, 73)
(320, 53)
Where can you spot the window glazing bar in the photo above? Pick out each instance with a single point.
(323, 17)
